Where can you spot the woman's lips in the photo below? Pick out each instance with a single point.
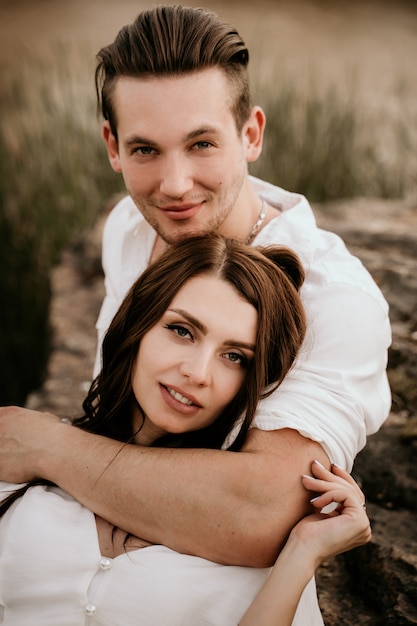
(175, 399)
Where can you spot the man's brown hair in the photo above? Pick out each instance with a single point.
(173, 40)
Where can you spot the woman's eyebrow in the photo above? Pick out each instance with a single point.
(241, 344)
(190, 318)
(203, 329)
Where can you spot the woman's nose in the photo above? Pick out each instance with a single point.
(198, 368)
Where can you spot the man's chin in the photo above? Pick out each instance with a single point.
(173, 238)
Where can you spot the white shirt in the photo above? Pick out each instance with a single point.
(338, 392)
(52, 574)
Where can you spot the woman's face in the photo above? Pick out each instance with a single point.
(192, 363)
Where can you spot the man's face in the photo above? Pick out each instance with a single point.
(183, 161)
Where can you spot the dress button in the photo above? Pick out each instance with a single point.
(90, 609)
(105, 563)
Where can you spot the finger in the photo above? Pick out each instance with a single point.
(321, 485)
(337, 474)
(319, 471)
(339, 471)
(340, 499)
(339, 491)
(330, 508)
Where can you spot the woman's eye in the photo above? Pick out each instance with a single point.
(235, 357)
(179, 330)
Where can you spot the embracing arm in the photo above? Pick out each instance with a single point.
(231, 507)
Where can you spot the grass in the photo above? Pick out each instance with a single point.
(55, 174)
(55, 180)
(327, 145)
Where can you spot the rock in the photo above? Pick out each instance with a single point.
(76, 301)
(377, 583)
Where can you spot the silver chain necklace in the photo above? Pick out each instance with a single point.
(258, 223)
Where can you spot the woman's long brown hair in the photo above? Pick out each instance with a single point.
(268, 278)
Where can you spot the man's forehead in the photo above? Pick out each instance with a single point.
(207, 81)
(147, 108)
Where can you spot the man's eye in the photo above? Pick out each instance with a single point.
(144, 150)
(203, 145)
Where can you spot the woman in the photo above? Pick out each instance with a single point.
(204, 333)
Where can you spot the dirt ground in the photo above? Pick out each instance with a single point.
(373, 42)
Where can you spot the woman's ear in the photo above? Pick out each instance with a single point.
(253, 133)
(112, 147)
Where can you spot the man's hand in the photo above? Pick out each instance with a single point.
(22, 439)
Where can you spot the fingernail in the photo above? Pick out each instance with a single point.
(307, 476)
(319, 464)
(337, 465)
(329, 508)
(314, 499)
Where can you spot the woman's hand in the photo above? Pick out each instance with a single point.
(340, 522)
(315, 538)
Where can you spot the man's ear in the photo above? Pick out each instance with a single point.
(112, 147)
(253, 133)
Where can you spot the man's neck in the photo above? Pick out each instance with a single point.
(159, 248)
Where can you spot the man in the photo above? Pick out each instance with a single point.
(180, 128)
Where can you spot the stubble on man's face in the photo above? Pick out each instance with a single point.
(199, 160)
(214, 214)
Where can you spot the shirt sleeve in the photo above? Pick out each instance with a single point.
(126, 248)
(8, 488)
(338, 392)
(110, 252)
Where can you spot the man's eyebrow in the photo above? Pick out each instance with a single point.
(203, 130)
(134, 140)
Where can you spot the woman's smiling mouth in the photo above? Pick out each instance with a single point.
(179, 397)
(188, 405)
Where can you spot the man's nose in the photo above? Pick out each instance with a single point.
(176, 176)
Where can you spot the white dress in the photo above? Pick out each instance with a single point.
(52, 574)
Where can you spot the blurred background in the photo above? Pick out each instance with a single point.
(337, 80)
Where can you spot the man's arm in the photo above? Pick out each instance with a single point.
(316, 538)
(231, 507)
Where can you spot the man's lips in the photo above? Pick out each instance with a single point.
(181, 212)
